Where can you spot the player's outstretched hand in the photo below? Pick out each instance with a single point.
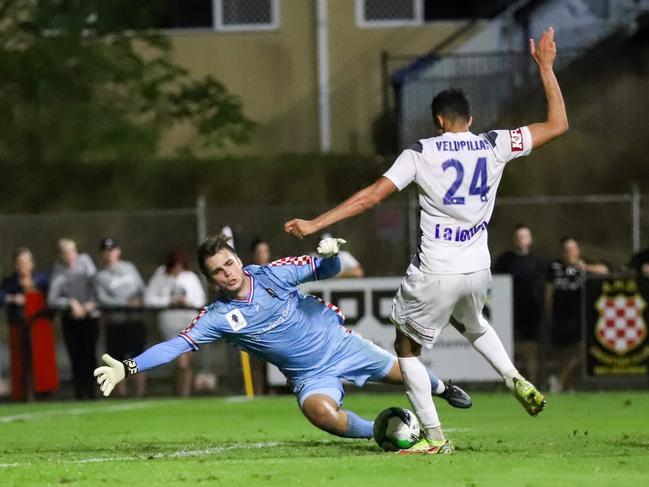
(328, 247)
(109, 375)
(300, 228)
(546, 51)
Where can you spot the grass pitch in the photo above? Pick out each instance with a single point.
(581, 439)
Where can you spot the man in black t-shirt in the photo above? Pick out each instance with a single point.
(528, 271)
(564, 281)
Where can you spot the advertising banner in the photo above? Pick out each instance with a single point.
(366, 305)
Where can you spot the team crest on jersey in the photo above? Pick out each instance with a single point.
(516, 136)
(620, 327)
(236, 320)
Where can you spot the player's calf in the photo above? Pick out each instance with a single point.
(324, 413)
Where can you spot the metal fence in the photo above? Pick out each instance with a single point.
(489, 79)
(610, 228)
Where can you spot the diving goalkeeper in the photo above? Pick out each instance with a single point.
(260, 310)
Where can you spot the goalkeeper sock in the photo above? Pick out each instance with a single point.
(419, 390)
(437, 386)
(492, 349)
(358, 427)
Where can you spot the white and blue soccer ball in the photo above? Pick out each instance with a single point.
(396, 428)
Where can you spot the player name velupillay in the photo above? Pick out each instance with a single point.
(462, 145)
(458, 234)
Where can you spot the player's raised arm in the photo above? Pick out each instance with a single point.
(557, 119)
(358, 203)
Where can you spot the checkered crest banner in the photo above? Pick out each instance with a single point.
(616, 326)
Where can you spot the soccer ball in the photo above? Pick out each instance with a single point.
(396, 429)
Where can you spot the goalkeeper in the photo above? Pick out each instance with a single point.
(260, 310)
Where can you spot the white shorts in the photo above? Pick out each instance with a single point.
(425, 303)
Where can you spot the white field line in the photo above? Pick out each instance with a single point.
(77, 411)
(155, 456)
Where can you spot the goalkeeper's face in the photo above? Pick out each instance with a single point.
(226, 271)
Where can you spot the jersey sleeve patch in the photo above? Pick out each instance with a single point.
(417, 147)
(301, 260)
(516, 136)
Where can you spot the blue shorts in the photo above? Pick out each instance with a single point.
(356, 360)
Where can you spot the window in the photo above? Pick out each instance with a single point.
(398, 13)
(246, 14)
(185, 14)
(219, 15)
(388, 13)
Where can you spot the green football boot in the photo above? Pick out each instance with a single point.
(429, 447)
(529, 396)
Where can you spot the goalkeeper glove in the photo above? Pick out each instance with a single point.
(328, 247)
(113, 373)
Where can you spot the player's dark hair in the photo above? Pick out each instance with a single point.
(520, 226)
(452, 104)
(210, 247)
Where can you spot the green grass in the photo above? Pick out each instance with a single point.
(581, 439)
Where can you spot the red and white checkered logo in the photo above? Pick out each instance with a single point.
(621, 326)
(301, 260)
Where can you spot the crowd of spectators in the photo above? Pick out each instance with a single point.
(547, 305)
(84, 297)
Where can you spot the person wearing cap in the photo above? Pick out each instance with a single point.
(72, 292)
(119, 286)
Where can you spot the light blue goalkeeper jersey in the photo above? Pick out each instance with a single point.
(297, 333)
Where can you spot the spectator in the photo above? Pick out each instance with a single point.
(528, 271)
(177, 288)
(563, 304)
(119, 285)
(72, 291)
(31, 339)
(260, 250)
(349, 266)
(640, 262)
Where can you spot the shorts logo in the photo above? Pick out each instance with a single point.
(236, 320)
(517, 139)
(427, 334)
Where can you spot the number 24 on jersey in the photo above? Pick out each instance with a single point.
(478, 185)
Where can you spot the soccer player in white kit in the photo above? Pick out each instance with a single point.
(457, 174)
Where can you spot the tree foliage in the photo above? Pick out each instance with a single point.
(89, 80)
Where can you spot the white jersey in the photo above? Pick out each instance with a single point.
(457, 175)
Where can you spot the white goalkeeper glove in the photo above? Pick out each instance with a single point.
(113, 373)
(328, 247)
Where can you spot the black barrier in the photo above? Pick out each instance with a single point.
(615, 318)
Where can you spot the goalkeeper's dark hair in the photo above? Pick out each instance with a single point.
(210, 247)
(452, 104)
